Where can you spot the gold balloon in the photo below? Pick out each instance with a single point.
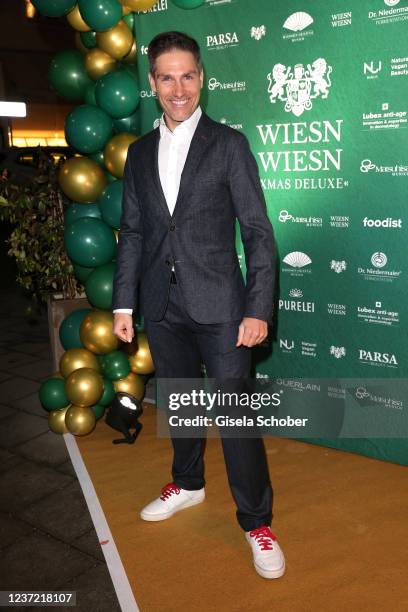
(79, 44)
(82, 179)
(131, 57)
(80, 421)
(98, 63)
(74, 18)
(76, 358)
(84, 387)
(116, 232)
(116, 152)
(132, 384)
(126, 10)
(96, 332)
(117, 41)
(141, 361)
(139, 5)
(56, 420)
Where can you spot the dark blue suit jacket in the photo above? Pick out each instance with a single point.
(219, 183)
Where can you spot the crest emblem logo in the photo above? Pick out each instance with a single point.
(338, 266)
(338, 351)
(258, 32)
(379, 260)
(297, 87)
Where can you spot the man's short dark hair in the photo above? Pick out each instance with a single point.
(167, 41)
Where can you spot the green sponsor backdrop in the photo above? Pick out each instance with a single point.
(320, 90)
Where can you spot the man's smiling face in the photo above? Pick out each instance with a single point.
(178, 82)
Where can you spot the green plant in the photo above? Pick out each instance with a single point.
(35, 210)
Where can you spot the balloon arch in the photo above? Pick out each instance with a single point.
(100, 74)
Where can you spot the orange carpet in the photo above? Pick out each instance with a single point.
(341, 519)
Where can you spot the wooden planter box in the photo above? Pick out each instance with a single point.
(58, 309)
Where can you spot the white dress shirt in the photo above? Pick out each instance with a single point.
(173, 149)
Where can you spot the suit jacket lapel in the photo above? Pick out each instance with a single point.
(199, 143)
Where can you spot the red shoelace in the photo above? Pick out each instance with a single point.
(264, 537)
(169, 489)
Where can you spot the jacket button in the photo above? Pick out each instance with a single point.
(172, 227)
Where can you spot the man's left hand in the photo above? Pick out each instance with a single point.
(251, 332)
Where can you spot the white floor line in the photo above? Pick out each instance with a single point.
(117, 571)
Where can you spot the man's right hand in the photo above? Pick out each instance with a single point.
(123, 326)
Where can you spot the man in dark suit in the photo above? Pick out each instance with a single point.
(185, 184)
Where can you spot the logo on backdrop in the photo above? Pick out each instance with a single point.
(377, 359)
(340, 20)
(397, 170)
(285, 216)
(233, 86)
(221, 41)
(337, 309)
(377, 313)
(296, 263)
(297, 87)
(388, 223)
(338, 351)
(372, 69)
(378, 272)
(258, 32)
(296, 305)
(236, 126)
(389, 15)
(338, 266)
(297, 24)
(391, 2)
(161, 5)
(385, 119)
(307, 349)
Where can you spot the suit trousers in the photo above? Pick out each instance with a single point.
(179, 345)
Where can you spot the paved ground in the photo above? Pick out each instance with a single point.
(47, 540)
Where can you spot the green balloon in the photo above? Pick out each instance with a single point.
(108, 394)
(68, 76)
(110, 177)
(82, 273)
(98, 411)
(188, 4)
(111, 203)
(77, 211)
(69, 329)
(117, 93)
(115, 365)
(88, 39)
(52, 394)
(131, 124)
(99, 158)
(130, 20)
(99, 286)
(88, 128)
(54, 8)
(89, 95)
(89, 242)
(101, 15)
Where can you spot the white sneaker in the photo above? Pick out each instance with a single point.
(269, 560)
(171, 500)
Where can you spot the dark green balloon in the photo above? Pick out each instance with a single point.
(54, 8)
(130, 20)
(117, 93)
(99, 286)
(100, 15)
(68, 76)
(132, 70)
(88, 39)
(115, 365)
(52, 394)
(82, 273)
(188, 4)
(89, 95)
(98, 411)
(108, 394)
(90, 242)
(88, 128)
(99, 158)
(69, 329)
(111, 203)
(77, 210)
(131, 124)
(110, 177)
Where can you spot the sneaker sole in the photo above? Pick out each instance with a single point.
(270, 574)
(163, 517)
